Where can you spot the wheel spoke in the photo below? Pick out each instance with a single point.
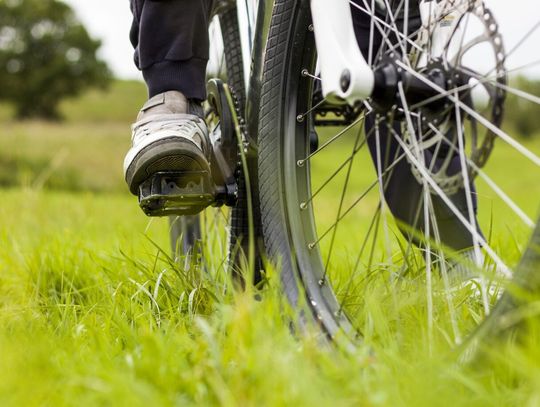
(429, 287)
(518, 92)
(468, 86)
(375, 219)
(371, 33)
(356, 202)
(504, 197)
(305, 72)
(462, 39)
(384, 212)
(444, 272)
(343, 193)
(332, 140)
(395, 28)
(353, 274)
(380, 24)
(502, 266)
(427, 213)
(302, 116)
(304, 204)
(470, 208)
(522, 41)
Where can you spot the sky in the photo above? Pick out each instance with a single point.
(110, 20)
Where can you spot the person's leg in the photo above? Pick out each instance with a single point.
(171, 44)
(403, 193)
(171, 48)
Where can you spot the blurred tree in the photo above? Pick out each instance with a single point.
(522, 114)
(45, 55)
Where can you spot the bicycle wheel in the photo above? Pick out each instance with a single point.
(220, 234)
(410, 206)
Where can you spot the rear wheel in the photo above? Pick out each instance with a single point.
(224, 234)
(410, 205)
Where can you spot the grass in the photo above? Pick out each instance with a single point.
(82, 322)
(85, 152)
(92, 312)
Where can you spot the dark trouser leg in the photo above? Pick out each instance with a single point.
(171, 44)
(403, 193)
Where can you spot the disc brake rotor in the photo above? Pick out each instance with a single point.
(435, 132)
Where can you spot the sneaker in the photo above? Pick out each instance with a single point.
(169, 135)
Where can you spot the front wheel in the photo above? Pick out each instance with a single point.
(397, 214)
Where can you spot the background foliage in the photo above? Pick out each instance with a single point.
(521, 114)
(46, 55)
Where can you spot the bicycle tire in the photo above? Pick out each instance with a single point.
(291, 49)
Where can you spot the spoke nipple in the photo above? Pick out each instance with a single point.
(337, 313)
(303, 206)
(311, 246)
(299, 118)
(322, 282)
(300, 163)
(305, 72)
(310, 28)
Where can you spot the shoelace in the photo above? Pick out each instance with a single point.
(186, 127)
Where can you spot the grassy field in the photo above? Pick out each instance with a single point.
(93, 313)
(83, 153)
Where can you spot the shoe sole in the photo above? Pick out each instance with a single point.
(171, 154)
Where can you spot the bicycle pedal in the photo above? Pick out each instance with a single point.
(177, 193)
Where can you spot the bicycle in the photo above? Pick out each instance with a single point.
(231, 230)
(416, 105)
